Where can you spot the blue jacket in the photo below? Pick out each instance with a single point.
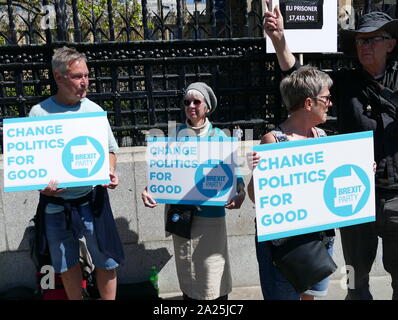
(104, 224)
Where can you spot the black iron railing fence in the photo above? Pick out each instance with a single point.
(47, 21)
(140, 84)
(142, 55)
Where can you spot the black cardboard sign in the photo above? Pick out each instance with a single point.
(302, 14)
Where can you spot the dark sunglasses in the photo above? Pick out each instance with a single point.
(196, 102)
(324, 99)
(370, 41)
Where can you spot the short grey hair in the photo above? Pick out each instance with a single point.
(305, 82)
(63, 57)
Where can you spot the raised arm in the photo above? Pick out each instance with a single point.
(273, 27)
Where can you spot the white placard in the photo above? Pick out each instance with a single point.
(310, 40)
(199, 171)
(314, 184)
(71, 148)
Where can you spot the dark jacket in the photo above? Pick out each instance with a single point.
(104, 224)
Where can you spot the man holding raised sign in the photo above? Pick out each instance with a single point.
(66, 214)
(366, 99)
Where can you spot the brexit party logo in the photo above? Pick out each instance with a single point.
(346, 190)
(83, 157)
(213, 179)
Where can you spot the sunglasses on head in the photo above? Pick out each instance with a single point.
(196, 102)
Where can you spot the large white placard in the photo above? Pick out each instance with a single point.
(313, 23)
(200, 171)
(314, 184)
(71, 148)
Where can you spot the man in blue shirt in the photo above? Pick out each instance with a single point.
(71, 75)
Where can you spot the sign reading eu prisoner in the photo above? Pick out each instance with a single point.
(307, 19)
(305, 14)
(314, 184)
(199, 171)
(68, 148)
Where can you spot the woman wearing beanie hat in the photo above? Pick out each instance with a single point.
(207, 93)
(202, 262)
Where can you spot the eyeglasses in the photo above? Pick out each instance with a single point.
(370, 41)
(327, 99)
(196, 102)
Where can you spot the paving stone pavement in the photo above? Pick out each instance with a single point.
(380, 288)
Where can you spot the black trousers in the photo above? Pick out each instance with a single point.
(360, 242)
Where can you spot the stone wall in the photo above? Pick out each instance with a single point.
(141, 230)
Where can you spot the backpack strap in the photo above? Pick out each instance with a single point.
(391, 171)
(381, 98)
(392, 98)
(386, 170)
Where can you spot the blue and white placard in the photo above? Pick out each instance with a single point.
(71, 148)
(315, 184)
(198, 171)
